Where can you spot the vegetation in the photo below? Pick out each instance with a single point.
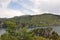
(12, 33)
(17, 28)
(31, 20)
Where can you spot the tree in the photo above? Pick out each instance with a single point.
(11, 31)
(40, 38)
(54, 36)
(11, 27)
(8, 37)
(25, 35)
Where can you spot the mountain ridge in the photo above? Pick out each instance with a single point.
(36, 20)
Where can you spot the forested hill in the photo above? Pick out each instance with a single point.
(36, 20)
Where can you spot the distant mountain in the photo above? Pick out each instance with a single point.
(37, 20)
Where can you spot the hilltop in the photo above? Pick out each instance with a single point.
(36, 20)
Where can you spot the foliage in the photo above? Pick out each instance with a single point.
(8, 37)
(40, 38)
(54, 36)
(25, 35)
(11, 27)
(16, 27)
(36, 20)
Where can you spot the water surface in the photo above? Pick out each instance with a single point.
(56, 29)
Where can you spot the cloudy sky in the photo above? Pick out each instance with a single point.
(10, 8)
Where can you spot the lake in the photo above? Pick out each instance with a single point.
(2, 31)
(56, 29)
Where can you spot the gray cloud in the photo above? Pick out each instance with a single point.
(52, 6)
(31, 7)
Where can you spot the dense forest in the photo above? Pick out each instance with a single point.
(17, 28)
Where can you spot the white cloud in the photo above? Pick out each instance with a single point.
(45, 1)
(39, 6)
(33, 8)
(52, 6)
(9, 13)
(36, 11)
(6, 12)
(4, 3)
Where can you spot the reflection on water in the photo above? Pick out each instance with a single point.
(56, 29)
(2, 31)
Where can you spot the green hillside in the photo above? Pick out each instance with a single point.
(17, 28)
(37, 20)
